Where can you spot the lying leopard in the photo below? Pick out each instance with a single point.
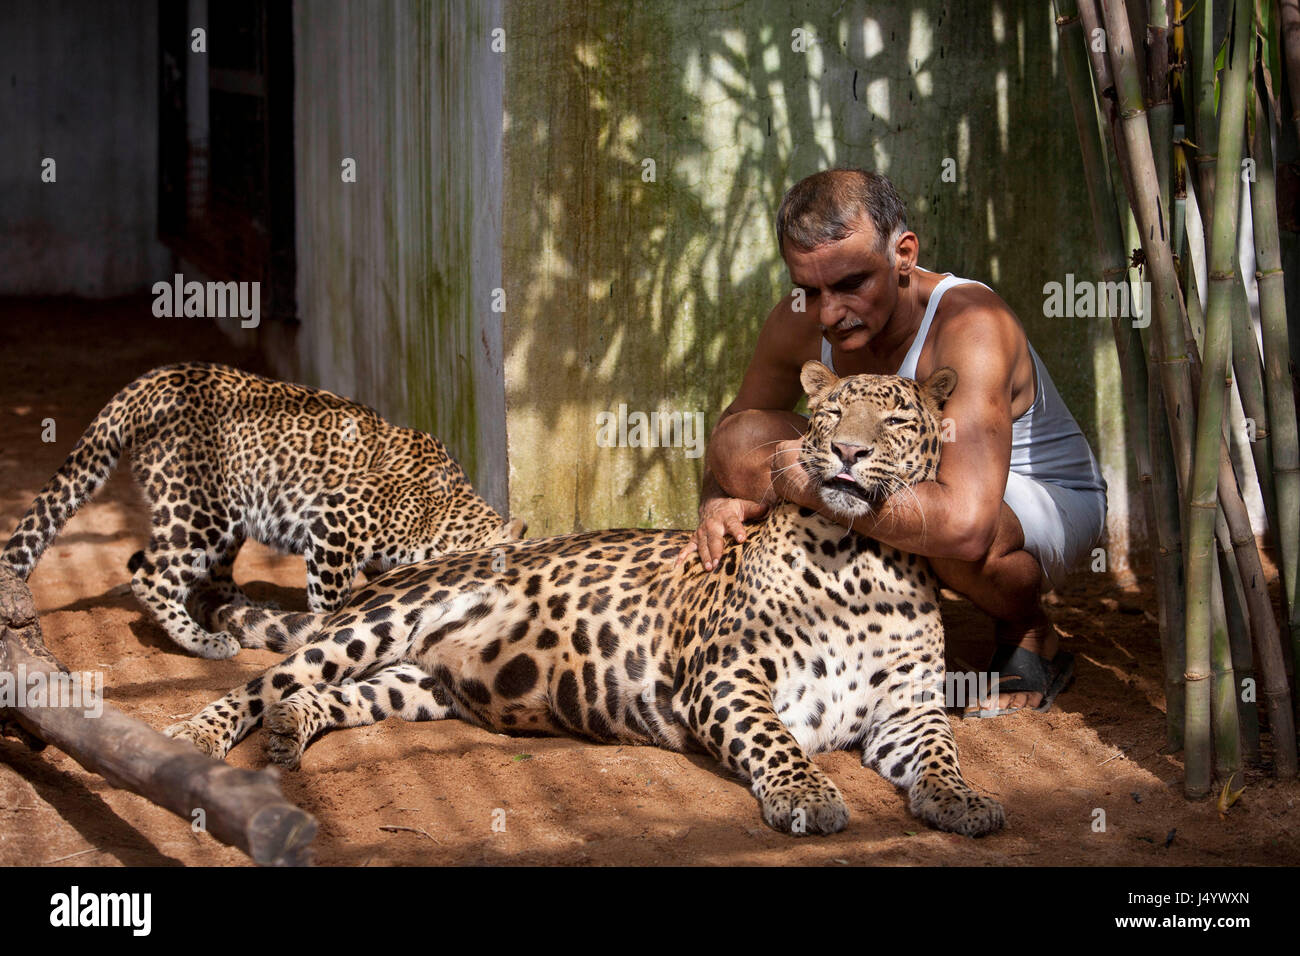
(807, 638)
(224, 455)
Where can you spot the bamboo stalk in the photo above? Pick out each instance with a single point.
(1169, 566)
(1160, 107)
(1237, 621)
(1174, 355)
(1281, 399)
(1227, 726)
(1162, 516)
(1173, 362)
(1265, 636)
(1122, 81)
(1215, 381)
(1264, 629)
(1263, 625)
(1249, 375)
(1206, 129)
(1290, 10)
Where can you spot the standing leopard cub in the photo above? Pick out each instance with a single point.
(807, 638)
(224, 455)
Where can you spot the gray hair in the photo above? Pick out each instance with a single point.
(828, 206)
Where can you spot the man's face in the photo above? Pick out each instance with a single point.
(850, 286)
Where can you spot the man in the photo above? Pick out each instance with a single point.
(1018, 498)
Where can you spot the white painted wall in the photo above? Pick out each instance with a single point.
(396, 270)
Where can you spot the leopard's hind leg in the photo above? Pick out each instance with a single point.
(281, 631)
(401, 690)
(164, 581)
(355, 644)
(220, 594)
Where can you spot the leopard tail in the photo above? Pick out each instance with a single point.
(273, 629)
(80, 476)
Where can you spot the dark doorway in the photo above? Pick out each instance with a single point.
(225, 143)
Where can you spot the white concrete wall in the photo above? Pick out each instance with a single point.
(396, 270)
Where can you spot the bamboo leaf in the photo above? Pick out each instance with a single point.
(1220, 59)
(1228, 796)
(1270, 52)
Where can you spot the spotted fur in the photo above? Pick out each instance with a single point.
(223, 455)
(807, 638)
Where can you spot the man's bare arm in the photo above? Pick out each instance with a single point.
(737, 484)
(954, 516)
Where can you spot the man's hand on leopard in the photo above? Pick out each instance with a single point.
(722, 516)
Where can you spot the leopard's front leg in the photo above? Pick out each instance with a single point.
(732, 716)
(914, 748)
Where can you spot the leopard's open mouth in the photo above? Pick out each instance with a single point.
(846, 483)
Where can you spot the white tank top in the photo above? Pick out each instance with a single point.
(1046, 443)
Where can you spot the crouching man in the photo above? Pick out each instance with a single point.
(1019, 498)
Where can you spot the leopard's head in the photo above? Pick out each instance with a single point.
(871, 435)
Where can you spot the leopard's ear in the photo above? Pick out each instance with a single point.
(936, 389)
(817, 381)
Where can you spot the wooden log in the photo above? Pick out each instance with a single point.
(241, 808)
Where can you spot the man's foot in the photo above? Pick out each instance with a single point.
(1030, 670)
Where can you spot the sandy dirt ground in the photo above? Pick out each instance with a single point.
(400, 793)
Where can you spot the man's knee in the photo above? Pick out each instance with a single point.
(1004, 566)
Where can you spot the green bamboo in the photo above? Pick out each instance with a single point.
(1160, 492)
(1206, 129)
(1237, 622)
(1124, 83)
(1110, 242)
(1249, 376)
(1269, 655)
(1290, 16)
(1203, 501)
(1223, 685)
(1160, 107)
(1169, 565)
(1263, 623)
(1281, 398)
(1174, 354)
(1169, 350)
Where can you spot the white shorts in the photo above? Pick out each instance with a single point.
(1062, 525)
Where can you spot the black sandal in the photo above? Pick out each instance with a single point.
(1022, 671)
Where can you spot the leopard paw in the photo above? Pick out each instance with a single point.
(217, 646)
(288, 730)
(205, 739)
(959, 811)
(808, 807)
